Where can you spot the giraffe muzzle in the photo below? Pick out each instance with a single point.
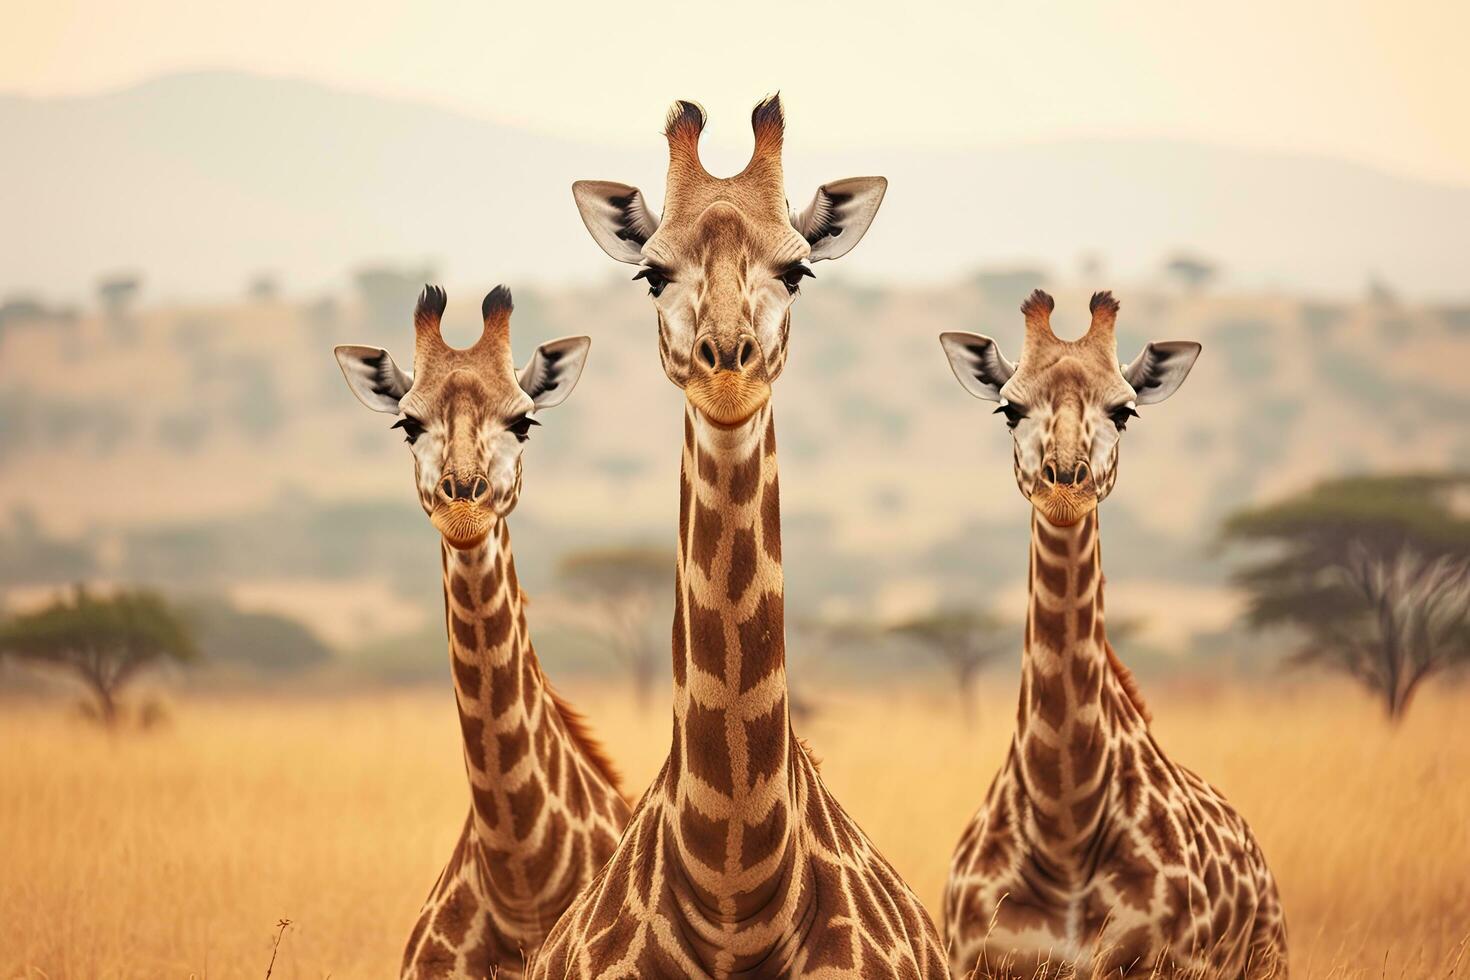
(462, 507)
(1066, 493)
(727, 379)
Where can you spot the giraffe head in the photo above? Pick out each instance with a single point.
(725, 260)
(1067, 402)
(466, 413)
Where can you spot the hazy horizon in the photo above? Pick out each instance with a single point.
(1362, 83)
(215, 178)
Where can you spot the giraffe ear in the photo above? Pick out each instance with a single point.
(840, 215)
(373, 377)
(617, 216)
(553, 370)
(1160, 369)
(978, 363)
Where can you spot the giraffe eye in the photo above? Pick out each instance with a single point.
(412, 428)
(793, 276)
(1014, 413)
(657, 279)
(521, 427)
(1122, 414)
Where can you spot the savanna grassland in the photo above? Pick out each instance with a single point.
(174, 853)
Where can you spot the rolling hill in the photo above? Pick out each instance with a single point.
(204, 180)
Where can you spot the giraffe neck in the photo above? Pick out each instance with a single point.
(729, 778)
(511, 738)
(1073, 705)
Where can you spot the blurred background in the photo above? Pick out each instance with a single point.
(202, 204)
(199, 201)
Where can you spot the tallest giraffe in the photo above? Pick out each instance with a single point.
(738, 861)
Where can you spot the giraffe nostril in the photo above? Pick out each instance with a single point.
(707, 353)
(1083, 471)
(481, 487)
(446, 487)
(1049, 474)
(745, 353)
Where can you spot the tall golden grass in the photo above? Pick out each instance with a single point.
(176, 853)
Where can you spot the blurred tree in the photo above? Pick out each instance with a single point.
(1381, 292)
(813, 640)
(1009, 285)
(965, 640)
(22, 308)
(258, 640)
(105, 641)
(389, 294)
(620, 586)
(117, 293)
(1193, 272)
(263, 287)
(1374, 570)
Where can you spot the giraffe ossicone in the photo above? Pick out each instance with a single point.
(546, 809)
(1093, 851)
(737, 861)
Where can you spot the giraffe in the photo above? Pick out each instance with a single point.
(1093, 851)
(738, 861)
(546, 809)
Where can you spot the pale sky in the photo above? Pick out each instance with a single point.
(1379, 83)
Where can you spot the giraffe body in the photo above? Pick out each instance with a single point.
(545, 807)
(737, 862)
(1093, 852)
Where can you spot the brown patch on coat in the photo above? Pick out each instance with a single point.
(706, 750)
(742, 563)
(707, 528)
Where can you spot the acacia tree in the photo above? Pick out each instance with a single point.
(1373, 572)
(1191, 271)
(964, 640)
(104, 641)
(620, 587)
(117, 293)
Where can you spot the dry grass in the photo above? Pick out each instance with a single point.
(176, 853)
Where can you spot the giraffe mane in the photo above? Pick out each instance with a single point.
(581, 733)
(811, 753)
(1129, 682)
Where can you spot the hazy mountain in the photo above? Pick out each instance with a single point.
(201, 181)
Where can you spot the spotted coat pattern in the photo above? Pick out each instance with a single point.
(545, 812)
(1094, 851)
(738, 861)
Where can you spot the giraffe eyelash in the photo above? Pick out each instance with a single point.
(521, 427)
(1014, 413)
(793, 276)
(656, 278)
(1122, 414)
(412, 428)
